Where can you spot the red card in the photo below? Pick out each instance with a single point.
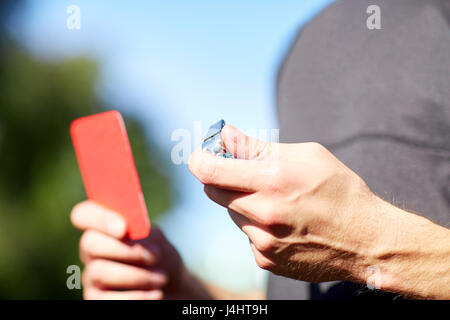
(108, 170)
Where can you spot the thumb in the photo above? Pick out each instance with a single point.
(240, 145)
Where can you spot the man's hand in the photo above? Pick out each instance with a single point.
(117, 268)
(311, 218)
(308, 218)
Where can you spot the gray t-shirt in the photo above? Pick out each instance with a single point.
(380, 101)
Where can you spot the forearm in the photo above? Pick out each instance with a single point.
(412, 255)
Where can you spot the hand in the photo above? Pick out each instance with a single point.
(117, 268)
(311, 219)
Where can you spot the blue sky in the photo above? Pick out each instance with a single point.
(172, 63)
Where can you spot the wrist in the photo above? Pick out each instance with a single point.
(409, 255)
(190, 287)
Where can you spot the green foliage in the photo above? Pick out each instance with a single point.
(39, 176)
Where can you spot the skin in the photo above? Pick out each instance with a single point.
(309, 217)
(148, 269)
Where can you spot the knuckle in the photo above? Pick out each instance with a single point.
(94, 271)
(265, 244)
(86, 242)
(263, 262)
(268, 215)
(316, 148)
(274, 186)
(279, 181)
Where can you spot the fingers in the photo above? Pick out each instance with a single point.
(89, 215)
(261, 260)
(234, 200)
(257, 233)
(247, 173)
(110, 275)
(97, 294)
(97, 245)
(246, 225)
(233, 174)
(253, 206)
(240, 145)
(115, 269)
(261, 241)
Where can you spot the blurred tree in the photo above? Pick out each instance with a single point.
(39, 176)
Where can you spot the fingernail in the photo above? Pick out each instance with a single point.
(116, 228)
